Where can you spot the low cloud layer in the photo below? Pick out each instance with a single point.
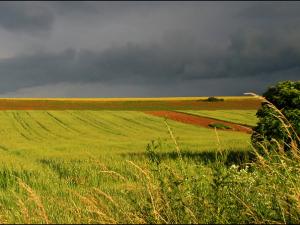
(29, 18)
(198, 48)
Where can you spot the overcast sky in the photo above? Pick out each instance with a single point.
(144, 49)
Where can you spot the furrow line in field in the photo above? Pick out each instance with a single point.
(3, 148)
(43, 127)
(31, 128)
(94, 124)
(19, 126)
(23, 122)
(62, 124)
(138, 123)
(111, 125)
(126, 126)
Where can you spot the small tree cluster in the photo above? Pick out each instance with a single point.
(214, 99)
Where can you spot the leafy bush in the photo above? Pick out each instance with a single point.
(279, 117)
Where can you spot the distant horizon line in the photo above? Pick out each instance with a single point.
(124, 98)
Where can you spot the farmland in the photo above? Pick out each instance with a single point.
(246, 117)
(87, 160)
(177, 103)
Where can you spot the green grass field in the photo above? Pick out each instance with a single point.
(99, 132)
(244, 117)
(57, 153)
(118, 166)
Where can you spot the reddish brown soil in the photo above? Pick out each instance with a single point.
(198, 120)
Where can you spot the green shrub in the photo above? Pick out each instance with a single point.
(279, 117)
(213, 99)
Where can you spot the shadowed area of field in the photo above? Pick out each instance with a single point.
(230, 157)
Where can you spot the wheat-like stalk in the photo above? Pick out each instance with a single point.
(36, 199)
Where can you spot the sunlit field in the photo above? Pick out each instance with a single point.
(98, 166)
(134, 104)
(60, 155)
(245, 117)
(128, 99)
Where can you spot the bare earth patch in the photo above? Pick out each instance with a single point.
(198, 120)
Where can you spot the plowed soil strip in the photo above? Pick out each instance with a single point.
(198, 120)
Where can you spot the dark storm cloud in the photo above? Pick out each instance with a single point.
(128, 64)
(34, 18)
(227, 48)
(25, 17)
(255, 55)
(272, 11)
